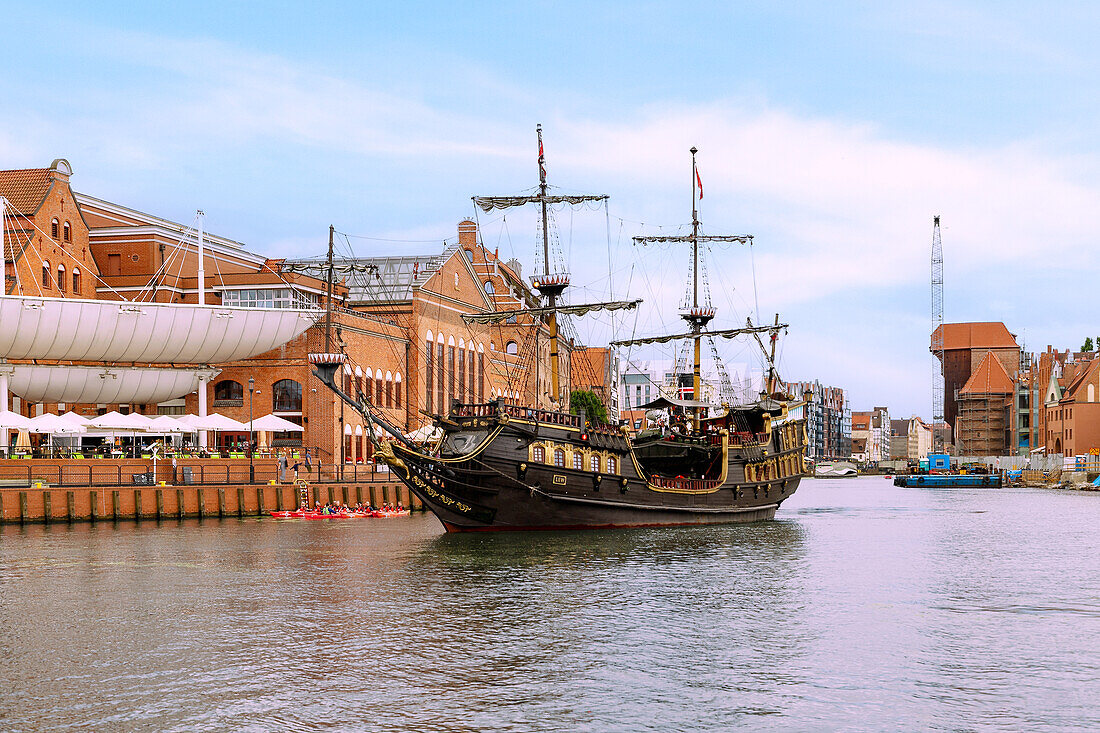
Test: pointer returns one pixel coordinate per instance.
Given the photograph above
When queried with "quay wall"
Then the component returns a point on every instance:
(55, 492)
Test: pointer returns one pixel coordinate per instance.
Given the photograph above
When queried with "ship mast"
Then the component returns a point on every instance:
(549, 283)
(553, 291)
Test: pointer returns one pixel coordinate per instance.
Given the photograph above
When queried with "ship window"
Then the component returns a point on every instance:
(53, 228)
(559, 458)
(45, 273)
(538, 454)
(227, 389)
(286, 396)
(578, 461)
(594, 463)
(68, 230)
(612, 466)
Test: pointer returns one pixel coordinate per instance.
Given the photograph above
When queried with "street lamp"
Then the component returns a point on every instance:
(251, 441)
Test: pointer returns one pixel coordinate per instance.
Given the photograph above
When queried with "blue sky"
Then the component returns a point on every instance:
(831, 131)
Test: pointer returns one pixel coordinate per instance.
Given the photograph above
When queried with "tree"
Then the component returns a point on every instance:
(590, 403)
(1088, 344)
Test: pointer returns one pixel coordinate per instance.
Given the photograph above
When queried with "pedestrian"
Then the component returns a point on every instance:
(309, 468)
(282, 468)
(295, 467)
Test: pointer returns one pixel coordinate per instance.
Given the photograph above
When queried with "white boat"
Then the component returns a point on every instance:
(835, 469)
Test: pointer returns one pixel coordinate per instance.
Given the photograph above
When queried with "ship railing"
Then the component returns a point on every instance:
(552, 417)
(684, 484)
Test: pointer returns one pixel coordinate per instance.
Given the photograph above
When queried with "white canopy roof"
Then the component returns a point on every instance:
(112, 385)
(116, 421)
(213, 421)
(106, 330)
(274, 423)
(167, 424)
(78, 419)
(54, 424)
(13, 420)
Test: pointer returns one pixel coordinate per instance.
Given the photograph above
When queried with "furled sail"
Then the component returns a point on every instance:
(726, 334)
(70, 329)
(571, 310)
(488, 203)
(742, 238)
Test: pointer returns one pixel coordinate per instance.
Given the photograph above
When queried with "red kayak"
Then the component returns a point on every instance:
(299, 514)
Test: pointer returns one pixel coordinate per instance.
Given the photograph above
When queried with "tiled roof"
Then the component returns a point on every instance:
(25, 188)
(1084, 375)
(992, 335)
(989, 378)
(899, 427)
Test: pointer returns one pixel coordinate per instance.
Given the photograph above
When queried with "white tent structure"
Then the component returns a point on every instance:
(167, 424)
(78, 419)
(13, 421)
(118, 423)
(213, 421)
(274, 424)
(51, 424)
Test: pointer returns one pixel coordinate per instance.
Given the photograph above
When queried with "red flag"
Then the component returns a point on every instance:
(700, 182)
(542, 161)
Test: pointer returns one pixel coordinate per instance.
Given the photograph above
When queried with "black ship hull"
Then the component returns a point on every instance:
(519, 469)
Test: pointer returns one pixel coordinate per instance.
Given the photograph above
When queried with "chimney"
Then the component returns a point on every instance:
(467, 233)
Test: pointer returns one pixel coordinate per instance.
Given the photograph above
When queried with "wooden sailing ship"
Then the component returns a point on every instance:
(506, 466)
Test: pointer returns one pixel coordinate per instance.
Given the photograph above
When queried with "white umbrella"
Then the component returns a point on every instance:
(75, 418)
(274, 423)
(114, 421)
(166, 424)
(213, 421)
(54, 425)
(13, 420)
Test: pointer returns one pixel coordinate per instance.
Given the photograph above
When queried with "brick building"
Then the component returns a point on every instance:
(965, 346)
(983, 424)
(399, 318)
(596, 369)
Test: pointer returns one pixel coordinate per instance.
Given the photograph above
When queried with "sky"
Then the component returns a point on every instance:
(831, 132)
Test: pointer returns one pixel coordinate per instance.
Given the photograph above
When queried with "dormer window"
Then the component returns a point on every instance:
(53, 228)
(68, 232)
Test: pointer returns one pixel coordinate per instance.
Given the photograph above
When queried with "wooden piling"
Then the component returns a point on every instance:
(70, 502)
(47, 506)
(93, 498)
(22, 507)
(179, 503)
(221, 502)
(240, 501)
(114, 505)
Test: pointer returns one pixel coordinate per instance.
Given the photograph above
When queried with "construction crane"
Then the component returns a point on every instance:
(937, 336)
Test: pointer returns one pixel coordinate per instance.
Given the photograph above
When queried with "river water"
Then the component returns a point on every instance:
(861, 607)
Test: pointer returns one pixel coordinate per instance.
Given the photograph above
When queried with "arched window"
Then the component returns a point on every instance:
(62, 281)
(440, 374)
(429, 367)
(76, 281)
(511, 348)
(46, 272)
(461, 373)
(389, 390)
(594, 463)
(68, 230)
(397, 390)
(227, 389)
(53, 228)
(538, 454)
(379, 387)
(578, 460)
(286, 396)
(612, 465)
(450, 372)
(489, 287)
(559, 458)
(480, 373)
